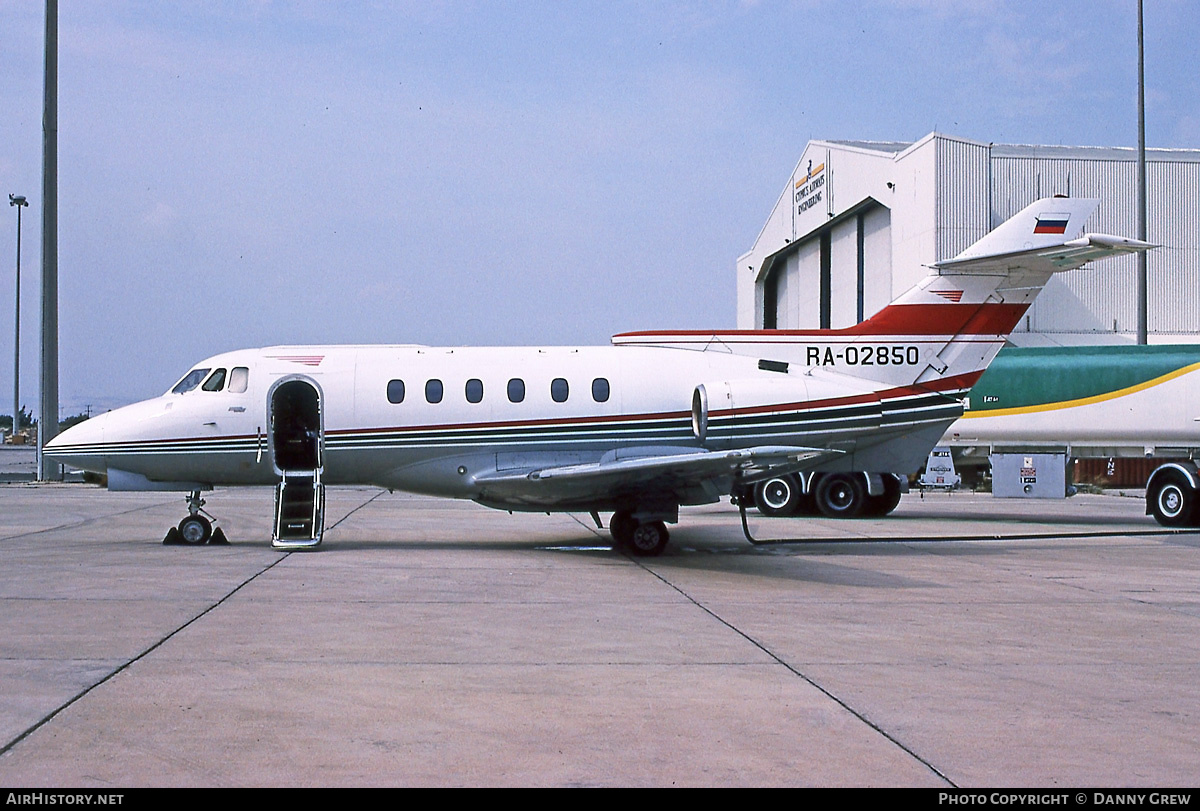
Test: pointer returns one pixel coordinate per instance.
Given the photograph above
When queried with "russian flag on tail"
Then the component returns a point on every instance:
(1055, 223)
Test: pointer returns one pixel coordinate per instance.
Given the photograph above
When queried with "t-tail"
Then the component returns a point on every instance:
(941, 334)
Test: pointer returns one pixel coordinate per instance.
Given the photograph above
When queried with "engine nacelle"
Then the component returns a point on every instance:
(724, 398)
(827, 400)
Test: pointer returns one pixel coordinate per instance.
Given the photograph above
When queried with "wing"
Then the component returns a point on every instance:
(690, 476)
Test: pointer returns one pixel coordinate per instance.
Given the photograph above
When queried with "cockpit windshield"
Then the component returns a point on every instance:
(190, 381)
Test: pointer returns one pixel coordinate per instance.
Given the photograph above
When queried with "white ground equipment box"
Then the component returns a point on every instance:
(1029, 475)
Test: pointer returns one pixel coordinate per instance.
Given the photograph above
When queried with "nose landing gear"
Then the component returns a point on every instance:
(196, 529)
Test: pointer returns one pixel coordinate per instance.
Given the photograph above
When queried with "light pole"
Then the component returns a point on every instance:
(20, 202)
(48, 412)
(1143, 284)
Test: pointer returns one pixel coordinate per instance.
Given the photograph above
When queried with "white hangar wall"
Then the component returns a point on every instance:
(858, 222)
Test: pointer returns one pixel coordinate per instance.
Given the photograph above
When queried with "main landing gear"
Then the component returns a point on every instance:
(833, 495)
(640, 538)
(195, 529)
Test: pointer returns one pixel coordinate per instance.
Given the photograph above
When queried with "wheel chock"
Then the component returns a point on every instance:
(218, 538)
(173, 538)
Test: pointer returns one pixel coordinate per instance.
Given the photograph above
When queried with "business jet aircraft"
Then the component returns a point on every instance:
(639, 428)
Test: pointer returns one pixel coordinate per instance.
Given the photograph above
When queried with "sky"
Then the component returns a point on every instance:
(239, 174)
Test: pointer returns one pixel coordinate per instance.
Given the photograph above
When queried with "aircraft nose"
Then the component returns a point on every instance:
(81, 445)
(88, 432)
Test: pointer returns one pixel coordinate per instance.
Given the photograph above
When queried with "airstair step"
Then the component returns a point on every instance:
(299, 508)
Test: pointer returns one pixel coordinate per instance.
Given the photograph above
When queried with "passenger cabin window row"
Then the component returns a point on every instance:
(560, 390)
(235, 380)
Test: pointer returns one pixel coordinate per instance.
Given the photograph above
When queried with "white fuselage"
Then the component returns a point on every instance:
(500, 408)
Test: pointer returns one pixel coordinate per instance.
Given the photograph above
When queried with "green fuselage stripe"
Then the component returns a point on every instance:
(1022, 381)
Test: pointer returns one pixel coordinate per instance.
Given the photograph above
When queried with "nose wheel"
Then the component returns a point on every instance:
(195, 529)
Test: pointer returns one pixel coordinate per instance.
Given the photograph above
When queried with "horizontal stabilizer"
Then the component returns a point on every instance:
(1044, 237)
(1068, 255)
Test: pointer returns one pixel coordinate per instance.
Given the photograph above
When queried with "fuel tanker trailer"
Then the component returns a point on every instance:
(1114, 402)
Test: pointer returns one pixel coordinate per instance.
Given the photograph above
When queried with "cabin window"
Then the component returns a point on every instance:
(239, 379)
(190, 381)
(474, 390)
(600, 390)
(395, 391)
(216, 381)
(559, 390)
(516, 390)
(433, 391)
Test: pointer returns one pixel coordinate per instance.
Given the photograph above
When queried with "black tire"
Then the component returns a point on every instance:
(621, 527)
(1172, 501)
(882, 504)
(649, 539)
(195, 530)
(841, 495)
(778, 496)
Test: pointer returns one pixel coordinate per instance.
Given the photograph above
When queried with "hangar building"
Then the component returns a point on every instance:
(858, 221)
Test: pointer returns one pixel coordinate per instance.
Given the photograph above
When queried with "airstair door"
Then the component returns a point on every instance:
(297, 446)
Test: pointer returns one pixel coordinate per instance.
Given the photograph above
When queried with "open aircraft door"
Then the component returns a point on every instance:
(297, 440)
